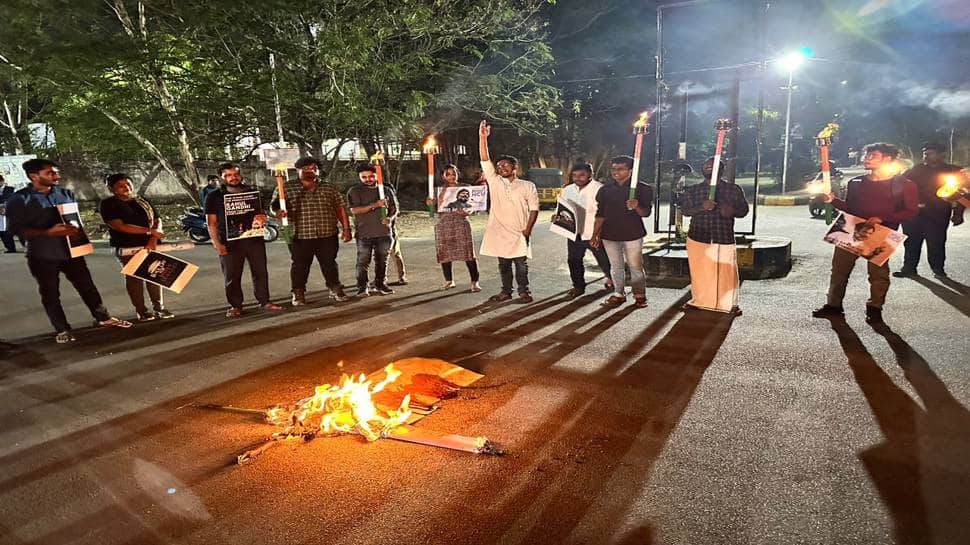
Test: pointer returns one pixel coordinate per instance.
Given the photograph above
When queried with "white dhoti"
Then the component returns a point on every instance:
(713, 275)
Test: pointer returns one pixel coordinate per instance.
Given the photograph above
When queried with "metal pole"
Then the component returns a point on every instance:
(784, 166)
(759, 135)
(276, 99)
(658, 123)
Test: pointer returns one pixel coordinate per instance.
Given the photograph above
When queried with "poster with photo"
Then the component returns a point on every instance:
(245, 217)
(564, 220)
(161, 269)
(473, 198)
(79, 244)
(873, 242)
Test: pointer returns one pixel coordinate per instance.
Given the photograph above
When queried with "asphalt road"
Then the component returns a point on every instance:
(623, 426)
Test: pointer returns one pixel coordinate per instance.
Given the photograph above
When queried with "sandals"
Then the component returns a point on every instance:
(640, 302)
(614, 301)
(234, 312)
(114, 322)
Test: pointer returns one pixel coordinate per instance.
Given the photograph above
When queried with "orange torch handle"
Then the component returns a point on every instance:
(282, 194)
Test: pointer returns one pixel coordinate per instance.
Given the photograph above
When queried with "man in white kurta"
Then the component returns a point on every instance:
(513, 214)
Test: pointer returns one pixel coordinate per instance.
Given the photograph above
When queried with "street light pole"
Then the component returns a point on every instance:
(784, 166)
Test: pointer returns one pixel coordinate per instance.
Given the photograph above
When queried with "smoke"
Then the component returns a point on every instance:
(952, 103)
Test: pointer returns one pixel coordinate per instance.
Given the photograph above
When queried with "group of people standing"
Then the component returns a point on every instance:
(611, 227)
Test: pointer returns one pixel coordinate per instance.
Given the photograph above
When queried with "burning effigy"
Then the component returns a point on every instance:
(382, 405)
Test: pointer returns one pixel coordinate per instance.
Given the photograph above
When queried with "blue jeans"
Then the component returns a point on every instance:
(630, 251)
(379, 248)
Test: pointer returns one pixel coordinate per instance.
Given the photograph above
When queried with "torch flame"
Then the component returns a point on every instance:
(430, 145)
(951, 185)
(279, 169)
(829, 131)
(377, 157)
(347, 408)
(643, 121)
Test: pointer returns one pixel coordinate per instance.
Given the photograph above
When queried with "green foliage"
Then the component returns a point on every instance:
(372, 71)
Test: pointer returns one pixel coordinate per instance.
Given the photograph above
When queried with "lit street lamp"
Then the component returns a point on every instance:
(790, 62)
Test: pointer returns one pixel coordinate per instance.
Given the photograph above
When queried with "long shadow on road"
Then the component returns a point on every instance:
(582, 472)
(920, 469)
(591, 464)
(74, 384)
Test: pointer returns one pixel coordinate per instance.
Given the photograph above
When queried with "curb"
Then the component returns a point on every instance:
(784, 200)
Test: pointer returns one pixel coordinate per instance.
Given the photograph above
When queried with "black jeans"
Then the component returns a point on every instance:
(933, 232)
(575, 252)
(7, 238)
(47, 273)
(521, 273)
(253, 251)
(302, 252)
(379, 248)
(472, 270)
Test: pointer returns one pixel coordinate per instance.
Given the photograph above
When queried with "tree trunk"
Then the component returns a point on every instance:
(189, 179)
(12, 123)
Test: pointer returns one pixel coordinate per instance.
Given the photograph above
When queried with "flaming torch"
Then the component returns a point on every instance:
(722, 126)
(953, 189)
(377, 160)
(640, 127)
(824, 142)
(430, 149)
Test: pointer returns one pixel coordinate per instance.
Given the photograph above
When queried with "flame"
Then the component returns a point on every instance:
(816, 187)
(829, 131)
(951, 185)
(643, 121)
(347, 408)
(279, 169)
(430, 146)
(377, 157)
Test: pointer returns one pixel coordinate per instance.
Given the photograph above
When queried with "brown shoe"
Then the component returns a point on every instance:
(640, 302)
(524, 298)
(574, 293)
(234, 312)
(499, 297)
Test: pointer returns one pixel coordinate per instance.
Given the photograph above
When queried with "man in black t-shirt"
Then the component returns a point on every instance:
(619, 229)
(935, 214)
(233, 254)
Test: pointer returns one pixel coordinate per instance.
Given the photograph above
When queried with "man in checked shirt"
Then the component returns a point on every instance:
(711, 252)
(314, 208)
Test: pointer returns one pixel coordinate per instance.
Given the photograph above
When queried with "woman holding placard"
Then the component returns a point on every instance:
(133, 222)
(453, 234)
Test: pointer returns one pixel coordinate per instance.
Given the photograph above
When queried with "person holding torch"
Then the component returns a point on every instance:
(883, 197)
(313, 208)
(619, 229)
(374, 208)
(935, 213)
(711, 251)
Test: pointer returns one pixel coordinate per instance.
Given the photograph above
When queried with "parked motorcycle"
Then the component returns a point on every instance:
(194, 224)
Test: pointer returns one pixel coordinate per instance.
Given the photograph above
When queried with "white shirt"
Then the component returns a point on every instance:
(512, 202)
(584, 201)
